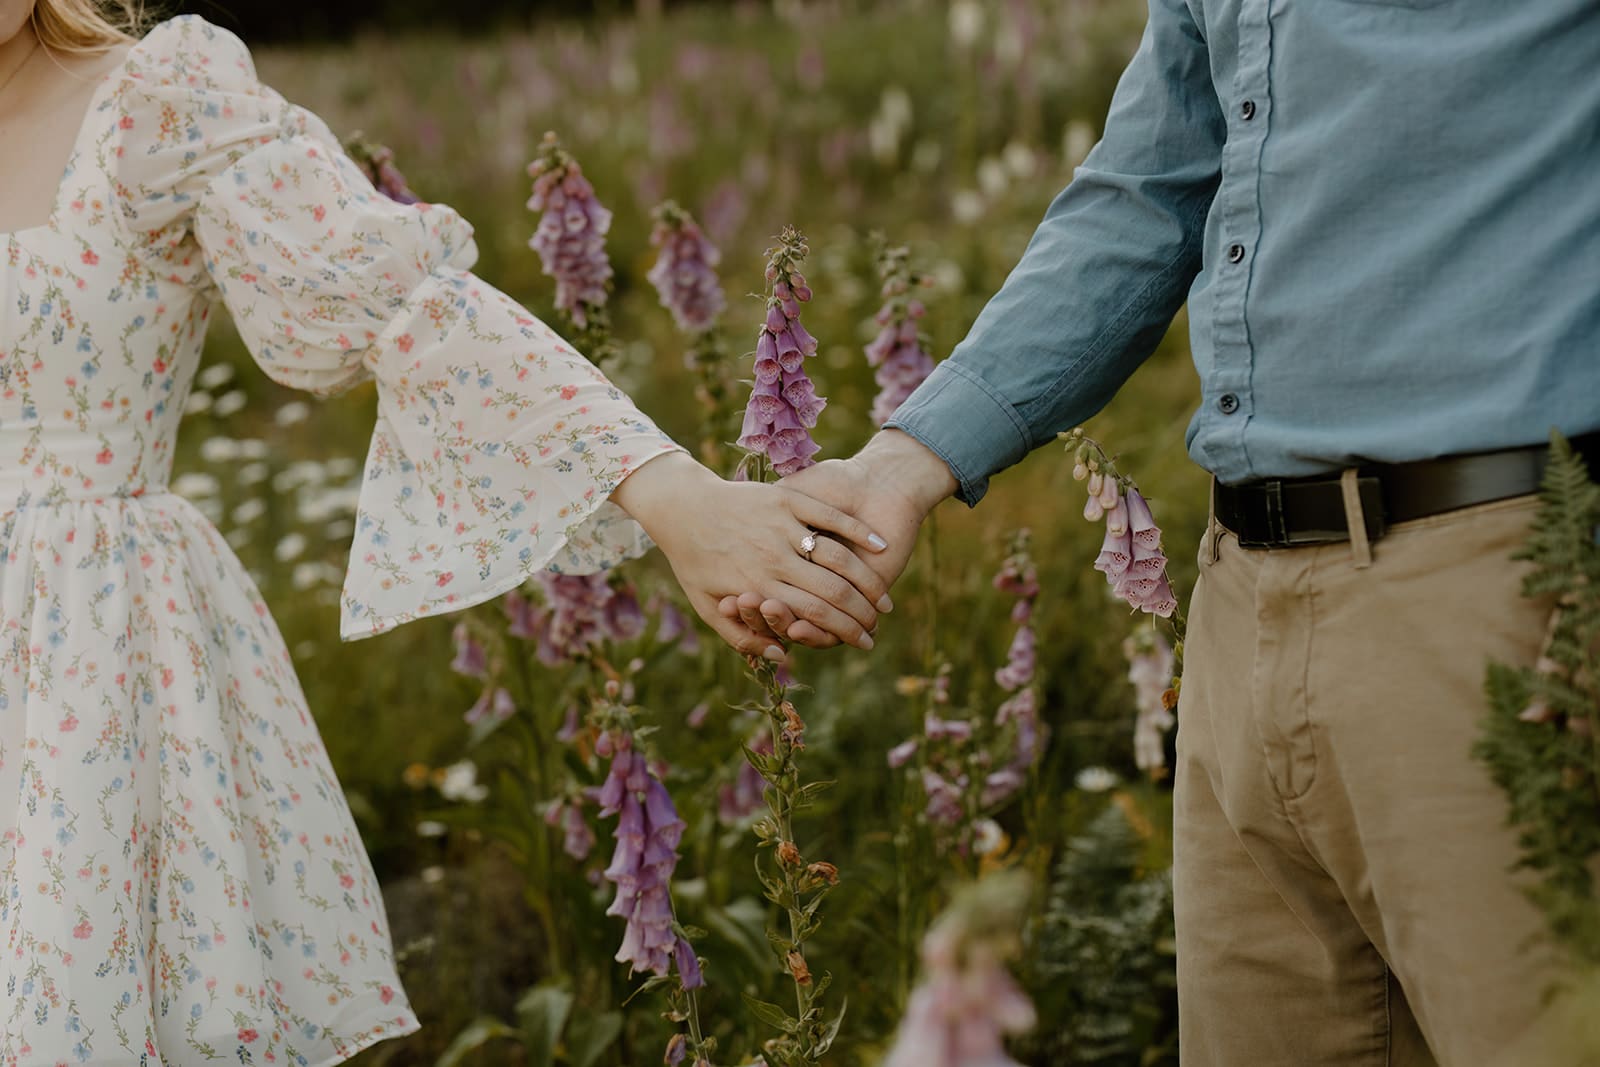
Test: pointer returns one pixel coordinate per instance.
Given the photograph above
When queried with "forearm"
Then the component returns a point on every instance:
(658, 490)
(898, 461)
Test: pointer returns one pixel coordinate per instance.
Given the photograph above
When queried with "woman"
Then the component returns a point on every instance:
(180, 877)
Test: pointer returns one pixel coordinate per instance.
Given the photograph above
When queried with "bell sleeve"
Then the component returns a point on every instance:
(496, 445)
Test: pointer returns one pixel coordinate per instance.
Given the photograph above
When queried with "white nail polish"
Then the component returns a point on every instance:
(877, 542)
(774, 653)
(885, 604)
(866, 642)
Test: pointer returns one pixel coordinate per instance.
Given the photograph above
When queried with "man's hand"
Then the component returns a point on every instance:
(890, 485)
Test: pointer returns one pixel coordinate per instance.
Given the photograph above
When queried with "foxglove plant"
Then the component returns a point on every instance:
(685, 277)
(377, 163)
(571, 242)
(784, 404)
(783, 407)
(900, 350)
(685, 271)
(1020, 712)
(1150, 666)
(967, 1002)
(1130, 556)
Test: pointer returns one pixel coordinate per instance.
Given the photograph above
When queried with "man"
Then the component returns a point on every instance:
(1385, 216)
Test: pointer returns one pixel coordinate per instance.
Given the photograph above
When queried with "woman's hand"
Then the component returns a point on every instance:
(725, 538)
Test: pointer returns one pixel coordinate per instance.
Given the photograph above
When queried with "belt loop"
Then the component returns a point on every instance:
(1355, 520)
(1213, 532)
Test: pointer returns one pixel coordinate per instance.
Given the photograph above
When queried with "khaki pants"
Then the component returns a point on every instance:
(1341, 879)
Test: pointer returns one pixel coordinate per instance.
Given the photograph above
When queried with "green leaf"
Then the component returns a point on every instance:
(832, 1030)
(588, 1037)
(810, 792)
(771, 1014)
(543, 1012)
(473, 1036)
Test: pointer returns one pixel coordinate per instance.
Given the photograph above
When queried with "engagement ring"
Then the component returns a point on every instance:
(808, 545)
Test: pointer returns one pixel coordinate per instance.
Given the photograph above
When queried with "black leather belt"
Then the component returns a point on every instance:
(1282, 512)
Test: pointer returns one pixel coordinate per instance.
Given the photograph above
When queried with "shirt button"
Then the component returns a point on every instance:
(1248, 110)
(1236, 254)
(1227, 403)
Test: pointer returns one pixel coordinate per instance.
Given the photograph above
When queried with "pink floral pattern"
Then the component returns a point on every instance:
(181, 881)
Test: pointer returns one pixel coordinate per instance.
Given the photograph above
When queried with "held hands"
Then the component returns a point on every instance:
(891, 485)
(723, 538)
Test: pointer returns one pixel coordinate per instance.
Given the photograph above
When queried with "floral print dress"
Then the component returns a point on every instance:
(181, 881)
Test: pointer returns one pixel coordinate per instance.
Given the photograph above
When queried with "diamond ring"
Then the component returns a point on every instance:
(808, 545)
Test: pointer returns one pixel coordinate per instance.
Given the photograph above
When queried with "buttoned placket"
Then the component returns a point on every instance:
(1249, 113)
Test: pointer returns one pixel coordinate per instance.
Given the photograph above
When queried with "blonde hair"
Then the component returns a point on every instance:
(82, 26)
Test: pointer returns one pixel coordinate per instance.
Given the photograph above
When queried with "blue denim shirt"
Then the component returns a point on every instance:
(1384, 214)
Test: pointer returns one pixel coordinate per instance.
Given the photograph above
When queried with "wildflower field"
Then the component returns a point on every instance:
(606, 839)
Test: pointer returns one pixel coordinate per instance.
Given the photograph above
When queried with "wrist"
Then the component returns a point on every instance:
(651, 494)
(896, 460)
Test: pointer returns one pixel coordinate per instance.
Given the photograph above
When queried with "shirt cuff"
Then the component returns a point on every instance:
(964, 422)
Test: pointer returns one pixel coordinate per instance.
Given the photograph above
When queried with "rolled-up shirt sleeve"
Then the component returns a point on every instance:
(1102, 277)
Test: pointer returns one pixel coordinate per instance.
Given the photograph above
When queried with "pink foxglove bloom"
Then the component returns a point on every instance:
(577, 838)
(1150, 662)
(784, 404)
(580, 612)
(685, 271)
(961, 1012)
(471, 659)
(647, 836)
(571, 236)
(1019, 577)
(899, 351)
(1142, 580)
(495, 704)
(945, 806)
(743, 798)
(377, 163)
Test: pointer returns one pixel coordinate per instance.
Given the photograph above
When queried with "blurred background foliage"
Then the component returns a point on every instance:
(948, 126)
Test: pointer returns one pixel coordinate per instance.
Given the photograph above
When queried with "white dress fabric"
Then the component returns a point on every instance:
(181, 881)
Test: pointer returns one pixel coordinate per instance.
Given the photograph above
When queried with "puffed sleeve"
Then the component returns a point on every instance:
(496, 445)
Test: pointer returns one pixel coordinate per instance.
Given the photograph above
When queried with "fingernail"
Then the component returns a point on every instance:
(866, 642)
(885, 604)
(877, 542)
(774, 653)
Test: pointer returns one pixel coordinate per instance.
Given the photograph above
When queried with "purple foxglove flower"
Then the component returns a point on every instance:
(494, 703)
(685, 271)
(471, 660)
(1141, 522)
(376, 161)
(944, 797)
(524, 617)
(784, 404)
(1001, 786)
(688, 965)
(901, 754)
(578, 839)
(571, 236)
(1021, 661)
(955, 729)
(647, 836)
(744, 797)
(959, 1014)
(1150, 662)
(677, 1050)
(899, 351)
(1116, 553)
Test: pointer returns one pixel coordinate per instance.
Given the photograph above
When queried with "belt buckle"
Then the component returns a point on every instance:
(1276, 531)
